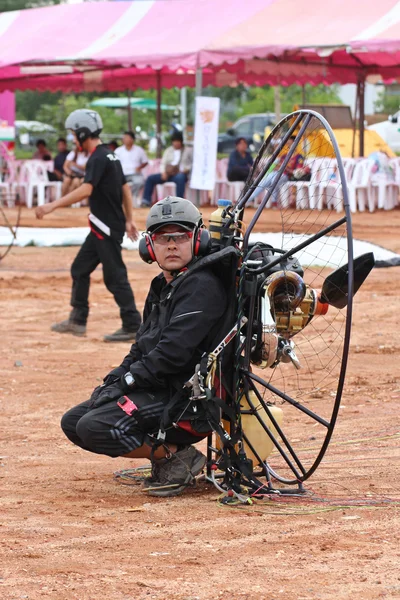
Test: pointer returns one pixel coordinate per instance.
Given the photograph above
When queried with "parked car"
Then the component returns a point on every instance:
(251, 127)
(389, 131)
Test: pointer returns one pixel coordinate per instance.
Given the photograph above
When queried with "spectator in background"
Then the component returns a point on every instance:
(58, 172)
(176, 164)
(113, 145)
(240, 161)
(42, 151)
(74, 169)
(295, 170)
(133, 159)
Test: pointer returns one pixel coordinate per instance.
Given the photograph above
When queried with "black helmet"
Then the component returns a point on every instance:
(84, 123)
(173, 211)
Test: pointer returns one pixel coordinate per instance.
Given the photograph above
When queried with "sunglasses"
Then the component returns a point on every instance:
(163, 239)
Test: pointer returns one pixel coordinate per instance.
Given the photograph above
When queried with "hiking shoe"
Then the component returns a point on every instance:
(155, 470)
(173, 474)
(68, 326)
(121, 335)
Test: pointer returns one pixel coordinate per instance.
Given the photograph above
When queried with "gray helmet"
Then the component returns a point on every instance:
(173, 211)
(85, 123)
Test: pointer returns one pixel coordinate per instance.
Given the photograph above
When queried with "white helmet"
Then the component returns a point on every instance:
(85, 123)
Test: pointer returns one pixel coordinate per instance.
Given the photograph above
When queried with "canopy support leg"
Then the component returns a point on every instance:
(130, 122)
(362, 115)
(158, 116)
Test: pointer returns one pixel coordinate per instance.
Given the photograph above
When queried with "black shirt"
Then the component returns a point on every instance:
(104, 173)
(60, 160)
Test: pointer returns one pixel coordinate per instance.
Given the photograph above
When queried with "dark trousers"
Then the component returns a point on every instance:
(109, 430)
(180, 179)
(238, 174)
(106, 251)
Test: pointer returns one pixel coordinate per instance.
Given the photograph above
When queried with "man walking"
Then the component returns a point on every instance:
(133, 159)
(110, 204)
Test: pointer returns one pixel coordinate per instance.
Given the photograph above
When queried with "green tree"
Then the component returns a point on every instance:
(54, 109)
(6, 5)
(261, 99)
(29, 103)
(388, 101)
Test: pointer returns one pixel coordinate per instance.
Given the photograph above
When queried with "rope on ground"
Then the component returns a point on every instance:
(133, 476)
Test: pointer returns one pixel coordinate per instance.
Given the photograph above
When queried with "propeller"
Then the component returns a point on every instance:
(336, 285)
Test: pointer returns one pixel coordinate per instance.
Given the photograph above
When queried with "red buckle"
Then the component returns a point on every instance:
(127, 405)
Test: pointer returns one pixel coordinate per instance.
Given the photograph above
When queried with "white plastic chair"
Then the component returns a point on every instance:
(385, 193)
(221, 181)
(5, 186)
(334, 189)
(33, 176)
(395, 163)
(229, 190)
(191, 194)
(8, 178)
(384, 188)
(307, 192)
(359, 187)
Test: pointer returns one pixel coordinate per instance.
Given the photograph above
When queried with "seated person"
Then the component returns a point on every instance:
(58, 172)
(176, 164)
(240, 161)
(74, 169)
(294, 166)
(113, 145)
(182, 317)
(42, 152)
(133, 159)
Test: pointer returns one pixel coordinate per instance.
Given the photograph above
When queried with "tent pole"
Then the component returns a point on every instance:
(353, 146)
(199, 91)
(362, 114)
(159, 147)
(303, 95)
(130, 124)
(183, 111)
(199, 82)
(277, 102)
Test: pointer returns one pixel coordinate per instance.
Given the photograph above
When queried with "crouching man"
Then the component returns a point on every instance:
(182, 315)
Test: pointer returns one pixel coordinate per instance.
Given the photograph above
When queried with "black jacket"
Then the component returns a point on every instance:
(180, 322)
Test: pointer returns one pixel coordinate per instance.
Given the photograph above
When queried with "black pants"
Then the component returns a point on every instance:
(109, 430)
(106, 251)
(238, 174)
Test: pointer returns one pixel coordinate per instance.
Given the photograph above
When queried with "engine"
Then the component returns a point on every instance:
(284, 306)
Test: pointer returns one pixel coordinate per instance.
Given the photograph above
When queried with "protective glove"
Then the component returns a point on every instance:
(108, 391)
(108, 380)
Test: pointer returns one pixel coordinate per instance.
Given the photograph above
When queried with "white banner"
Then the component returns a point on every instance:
(205, 143)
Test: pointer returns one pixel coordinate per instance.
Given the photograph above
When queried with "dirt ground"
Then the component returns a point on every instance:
(68, 530)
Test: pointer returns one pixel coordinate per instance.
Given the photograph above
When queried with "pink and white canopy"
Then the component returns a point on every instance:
(111, 45)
